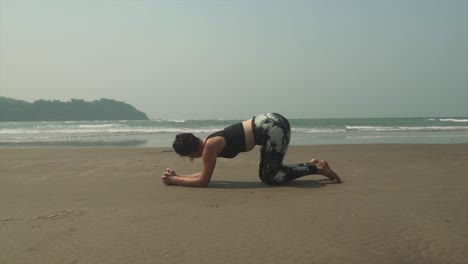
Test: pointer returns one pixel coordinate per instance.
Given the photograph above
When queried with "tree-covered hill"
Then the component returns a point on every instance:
(73, 110)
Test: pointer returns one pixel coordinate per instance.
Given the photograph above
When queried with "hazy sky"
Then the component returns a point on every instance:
(234, 59)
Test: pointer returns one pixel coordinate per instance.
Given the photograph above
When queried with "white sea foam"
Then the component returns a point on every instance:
(402, 128)
(107, 130)
(169, 120)
(453, 120)
(98, 126)
(317, 130)
(115, 129)
(20, 131)
(375, 130)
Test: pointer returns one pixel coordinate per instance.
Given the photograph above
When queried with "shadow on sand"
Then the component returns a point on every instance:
(260, 185)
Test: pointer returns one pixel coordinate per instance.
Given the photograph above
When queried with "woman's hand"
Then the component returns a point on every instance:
(167, 176)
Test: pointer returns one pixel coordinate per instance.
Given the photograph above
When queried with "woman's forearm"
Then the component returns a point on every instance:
(195, 175)
(189, 180)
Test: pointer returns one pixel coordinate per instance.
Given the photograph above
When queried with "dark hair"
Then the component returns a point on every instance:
(185, 143)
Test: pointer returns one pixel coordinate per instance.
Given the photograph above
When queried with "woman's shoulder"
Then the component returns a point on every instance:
(215, 143)
(214, 140)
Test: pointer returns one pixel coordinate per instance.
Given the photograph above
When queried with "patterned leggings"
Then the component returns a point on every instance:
(273, 132)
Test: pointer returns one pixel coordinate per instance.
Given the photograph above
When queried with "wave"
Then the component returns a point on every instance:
(453, 120)
(318, 130)
(117, 129)
(401, 128)
(107, 130)
(98, 126)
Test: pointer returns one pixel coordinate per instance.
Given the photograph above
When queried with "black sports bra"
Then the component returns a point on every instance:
(235, 140)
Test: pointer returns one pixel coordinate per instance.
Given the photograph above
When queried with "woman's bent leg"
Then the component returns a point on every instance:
(274, 132)
(272, 171)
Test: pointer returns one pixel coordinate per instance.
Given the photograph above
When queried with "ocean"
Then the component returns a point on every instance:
(160, 133)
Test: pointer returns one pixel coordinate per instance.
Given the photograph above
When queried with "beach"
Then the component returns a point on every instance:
(399, 203)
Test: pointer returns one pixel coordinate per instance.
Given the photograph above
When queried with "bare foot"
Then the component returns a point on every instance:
(324, 169)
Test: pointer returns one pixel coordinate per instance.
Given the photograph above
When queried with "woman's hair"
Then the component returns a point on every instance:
(185, 143)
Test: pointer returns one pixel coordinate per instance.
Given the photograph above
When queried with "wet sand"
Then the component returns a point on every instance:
(398, 204)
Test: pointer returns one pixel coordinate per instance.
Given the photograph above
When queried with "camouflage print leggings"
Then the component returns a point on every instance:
(273, 132)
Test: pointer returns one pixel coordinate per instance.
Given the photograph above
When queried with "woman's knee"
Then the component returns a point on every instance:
(273, 177)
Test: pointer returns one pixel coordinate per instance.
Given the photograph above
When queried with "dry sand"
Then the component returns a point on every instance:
(398, 204)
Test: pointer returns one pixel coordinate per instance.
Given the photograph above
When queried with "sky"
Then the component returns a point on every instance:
(234, 59)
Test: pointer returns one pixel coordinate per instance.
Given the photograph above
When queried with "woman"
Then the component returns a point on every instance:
(271, 131)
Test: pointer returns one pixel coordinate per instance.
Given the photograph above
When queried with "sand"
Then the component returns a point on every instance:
(398, 204)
